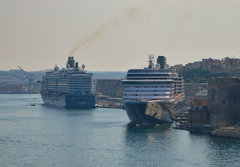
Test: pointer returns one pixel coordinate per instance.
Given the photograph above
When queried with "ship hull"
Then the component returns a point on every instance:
(69, 101)
(152, 113)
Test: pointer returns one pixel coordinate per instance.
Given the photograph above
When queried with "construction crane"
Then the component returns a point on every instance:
(28, 76)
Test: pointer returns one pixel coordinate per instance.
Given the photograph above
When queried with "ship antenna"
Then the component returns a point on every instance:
(151, 59)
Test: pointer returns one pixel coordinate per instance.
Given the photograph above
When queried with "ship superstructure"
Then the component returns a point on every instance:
(152, 95)
(69, 87)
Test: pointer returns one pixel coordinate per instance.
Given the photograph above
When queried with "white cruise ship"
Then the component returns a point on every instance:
(70, 87)
(154, 94)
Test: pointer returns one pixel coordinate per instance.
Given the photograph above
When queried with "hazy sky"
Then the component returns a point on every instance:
(115, 35)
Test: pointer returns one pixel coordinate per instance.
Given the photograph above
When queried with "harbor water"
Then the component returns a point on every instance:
(32, 134)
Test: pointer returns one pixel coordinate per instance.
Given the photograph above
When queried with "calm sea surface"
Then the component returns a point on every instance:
(39, 136)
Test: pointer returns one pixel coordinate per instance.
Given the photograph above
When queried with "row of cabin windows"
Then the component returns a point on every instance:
(142, 99)
(147, 94)
(156, 90)
(162, 86)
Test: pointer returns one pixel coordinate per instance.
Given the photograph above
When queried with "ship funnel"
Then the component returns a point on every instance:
(71, 62)
(76, 66)
(162, 61)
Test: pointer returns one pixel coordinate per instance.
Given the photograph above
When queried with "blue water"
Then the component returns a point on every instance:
(37, 136)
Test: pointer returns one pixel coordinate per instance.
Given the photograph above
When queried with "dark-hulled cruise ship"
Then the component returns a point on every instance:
(154, 94)
(69, 87)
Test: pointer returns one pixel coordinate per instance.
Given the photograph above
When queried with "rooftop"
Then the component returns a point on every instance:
(202, 93)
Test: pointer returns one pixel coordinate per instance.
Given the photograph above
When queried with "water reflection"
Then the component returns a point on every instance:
(44, 136)
(223, 151)
(146, 146)
(147, 134)
(164, 146)
(66, 111)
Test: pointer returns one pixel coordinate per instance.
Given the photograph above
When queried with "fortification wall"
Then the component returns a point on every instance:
(224, 101)
(110, 87)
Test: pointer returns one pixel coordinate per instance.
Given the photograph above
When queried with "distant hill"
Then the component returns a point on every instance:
(109, 74)
(200, 75)
(17, 76)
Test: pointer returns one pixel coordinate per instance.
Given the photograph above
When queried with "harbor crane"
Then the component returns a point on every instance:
(28, 76)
